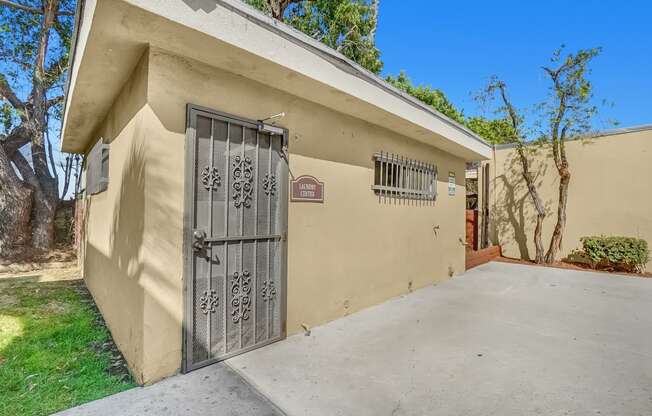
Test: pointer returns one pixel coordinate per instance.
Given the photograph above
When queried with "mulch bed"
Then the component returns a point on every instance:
(571, 266)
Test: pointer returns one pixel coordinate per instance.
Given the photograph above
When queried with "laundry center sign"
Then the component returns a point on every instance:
(307, 188)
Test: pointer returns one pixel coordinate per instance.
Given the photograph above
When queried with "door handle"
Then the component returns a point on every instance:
(198, 240)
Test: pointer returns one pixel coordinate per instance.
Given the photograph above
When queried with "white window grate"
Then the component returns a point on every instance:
(401, 177)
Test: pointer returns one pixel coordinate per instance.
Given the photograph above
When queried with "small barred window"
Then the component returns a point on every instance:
(97, 168)
(401, 177)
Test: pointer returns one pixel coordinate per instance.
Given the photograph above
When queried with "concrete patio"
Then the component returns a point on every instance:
(503, 339)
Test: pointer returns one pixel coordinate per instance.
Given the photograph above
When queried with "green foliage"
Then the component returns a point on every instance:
(568, 110)
(495, 131)
(7, 116)
(345, 25)
(261, 5)
(428, 95)
(19, 43)
(348, 26)
(618, 253)
(51, 354)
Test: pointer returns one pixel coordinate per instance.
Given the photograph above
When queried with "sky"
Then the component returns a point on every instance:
(457, 45)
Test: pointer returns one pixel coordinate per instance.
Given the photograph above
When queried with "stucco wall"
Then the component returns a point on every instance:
(137, 290)
(608, 194)
(114, 222)
(351, 252)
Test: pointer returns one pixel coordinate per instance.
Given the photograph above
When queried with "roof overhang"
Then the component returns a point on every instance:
(111, 35)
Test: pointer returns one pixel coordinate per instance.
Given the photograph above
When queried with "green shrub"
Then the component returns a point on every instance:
(616, 253)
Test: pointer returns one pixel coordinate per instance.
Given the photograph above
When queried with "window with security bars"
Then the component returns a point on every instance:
(401, 177)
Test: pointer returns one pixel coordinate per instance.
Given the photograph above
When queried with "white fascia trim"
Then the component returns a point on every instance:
(175, 11)
(83, 17)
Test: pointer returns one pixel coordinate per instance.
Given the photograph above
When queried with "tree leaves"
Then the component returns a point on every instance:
(428, 95)
(347, 26)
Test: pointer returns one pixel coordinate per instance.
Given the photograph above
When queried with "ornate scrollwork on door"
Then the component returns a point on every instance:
(211, 178)
(243, 177)
(268, 291)
(241, 301)
(208, 302)
(269, 184)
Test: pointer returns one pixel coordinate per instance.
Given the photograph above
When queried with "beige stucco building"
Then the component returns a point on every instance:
(608, 193)
(194, 248)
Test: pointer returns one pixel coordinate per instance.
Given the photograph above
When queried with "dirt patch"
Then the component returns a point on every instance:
(55, 306)
(571, 266)
(27, 260)
(67, 271)
(7, 301)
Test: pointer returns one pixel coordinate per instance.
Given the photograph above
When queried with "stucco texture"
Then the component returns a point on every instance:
(350, 252)
(607, 193)
(135, 285)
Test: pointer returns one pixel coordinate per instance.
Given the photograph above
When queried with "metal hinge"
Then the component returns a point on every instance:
(284, 236)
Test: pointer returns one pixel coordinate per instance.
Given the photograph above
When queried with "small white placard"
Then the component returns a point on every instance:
(451, 183)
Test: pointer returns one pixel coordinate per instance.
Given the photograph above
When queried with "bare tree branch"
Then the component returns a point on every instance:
(67, 173)
(7, 173)
(345, 37)
(25, 169)
(55, 101)
(18, 138)
(55, 174)
(511, 112)
(8, 94)
(515, 121)
(375, 5)
(29, 9)
(39, 90)
(55, 70)
(21, 7)
(278, 7)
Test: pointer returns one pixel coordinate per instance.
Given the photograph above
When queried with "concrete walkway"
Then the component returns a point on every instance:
(214, 390)
(503, 339)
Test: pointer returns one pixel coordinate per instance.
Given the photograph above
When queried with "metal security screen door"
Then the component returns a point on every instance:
(236, 204)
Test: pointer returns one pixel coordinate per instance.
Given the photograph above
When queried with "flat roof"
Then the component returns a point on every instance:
(111, 35)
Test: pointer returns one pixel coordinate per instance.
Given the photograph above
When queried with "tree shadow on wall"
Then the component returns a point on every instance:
(514, 216)
(129, 215)
(116, 291)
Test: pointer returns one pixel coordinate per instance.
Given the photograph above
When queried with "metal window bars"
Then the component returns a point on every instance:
(398, 177)
(97, 168)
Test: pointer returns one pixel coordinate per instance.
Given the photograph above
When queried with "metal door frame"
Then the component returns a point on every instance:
(189, 185)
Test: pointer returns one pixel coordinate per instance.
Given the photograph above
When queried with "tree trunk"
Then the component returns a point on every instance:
(15, 209)
(278, 7)
(46, 197)
(43, 213)
(558, 233)
(538, 204)
(46, 194)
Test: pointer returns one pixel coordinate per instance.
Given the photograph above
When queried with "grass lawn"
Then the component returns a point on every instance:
(55, 352)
